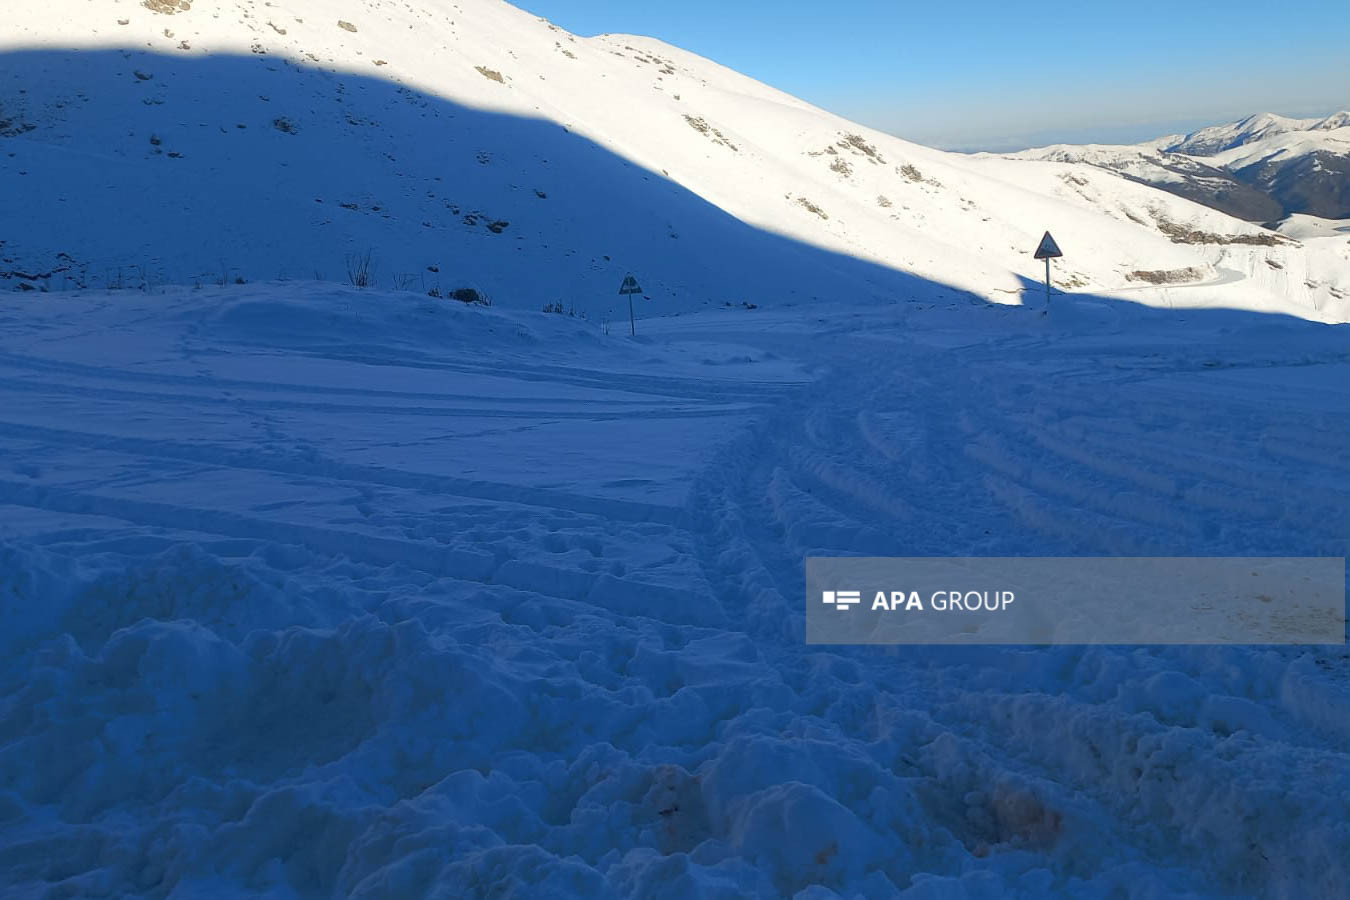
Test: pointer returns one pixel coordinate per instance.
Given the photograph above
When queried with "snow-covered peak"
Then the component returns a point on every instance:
(1333, 121)
(1220, 138)
(1217, 138)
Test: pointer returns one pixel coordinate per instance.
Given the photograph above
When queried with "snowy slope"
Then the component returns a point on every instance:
(479, 144)
(1201, 180)
(316, 592)
(1304, 227)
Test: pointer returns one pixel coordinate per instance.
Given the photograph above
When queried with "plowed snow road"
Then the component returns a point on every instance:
(464, 599)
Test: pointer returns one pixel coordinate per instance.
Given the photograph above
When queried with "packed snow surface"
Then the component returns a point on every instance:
(312, 592)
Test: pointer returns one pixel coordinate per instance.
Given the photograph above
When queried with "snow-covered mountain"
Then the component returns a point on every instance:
(473, 144)
(1305, 171)
(1186, 176)
(1261, 169)
(1218, 138)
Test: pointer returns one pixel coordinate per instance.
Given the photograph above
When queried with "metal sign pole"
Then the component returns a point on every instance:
(1047, 251)
(630, 287)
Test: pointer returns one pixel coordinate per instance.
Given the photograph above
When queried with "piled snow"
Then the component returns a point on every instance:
(311, 591)
(263, 141)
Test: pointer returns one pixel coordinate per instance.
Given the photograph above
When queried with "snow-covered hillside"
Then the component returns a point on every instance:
(471, 144)
(1201, 180)
(1305, 227)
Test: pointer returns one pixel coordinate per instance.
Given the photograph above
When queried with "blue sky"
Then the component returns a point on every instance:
(981, 74)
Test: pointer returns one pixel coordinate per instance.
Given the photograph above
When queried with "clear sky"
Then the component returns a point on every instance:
(1005, 74)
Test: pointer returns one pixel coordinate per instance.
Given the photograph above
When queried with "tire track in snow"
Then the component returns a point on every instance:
(657, 385)
(483, 412)
(621, 382)
(617, 596)
(310, 466)
(760, 534)
(911, 455)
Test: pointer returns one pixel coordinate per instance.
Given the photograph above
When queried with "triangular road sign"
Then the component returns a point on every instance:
(630, 286)
(1048, 248)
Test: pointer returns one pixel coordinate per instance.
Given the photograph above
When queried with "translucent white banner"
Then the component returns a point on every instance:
(1075, 600)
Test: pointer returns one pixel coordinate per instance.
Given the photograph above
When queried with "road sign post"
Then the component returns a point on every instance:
(1047, 251)
(630, 287)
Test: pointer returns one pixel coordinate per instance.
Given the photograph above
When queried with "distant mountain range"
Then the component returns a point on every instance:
(1263, 168)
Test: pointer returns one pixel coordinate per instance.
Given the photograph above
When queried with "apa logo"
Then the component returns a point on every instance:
(841, 600)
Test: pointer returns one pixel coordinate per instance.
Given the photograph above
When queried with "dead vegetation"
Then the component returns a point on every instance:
(1167, 276)
(167, 7)
(361, 269)
(811, 207)
(1181, 234)
(858, 143)
(490, 74)
(708, 131)
(11, 126)
(470, 296)
(853, 143)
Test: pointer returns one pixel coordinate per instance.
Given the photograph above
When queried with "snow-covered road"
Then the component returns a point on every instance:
(313, 592)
